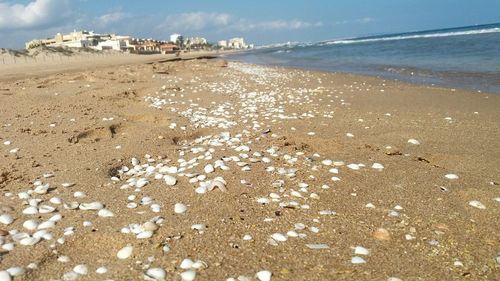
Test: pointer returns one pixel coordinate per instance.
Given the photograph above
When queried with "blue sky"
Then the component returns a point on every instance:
(260, 22)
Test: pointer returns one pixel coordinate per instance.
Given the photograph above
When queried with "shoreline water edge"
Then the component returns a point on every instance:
(465, 57)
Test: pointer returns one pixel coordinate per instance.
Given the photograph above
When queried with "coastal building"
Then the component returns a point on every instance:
(168, 48)
(83, 39)
(222, 43)
(237, 43)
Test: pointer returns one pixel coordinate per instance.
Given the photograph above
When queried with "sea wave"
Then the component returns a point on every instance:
(412, 36)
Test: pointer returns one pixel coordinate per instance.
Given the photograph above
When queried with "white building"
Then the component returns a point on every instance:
(222, 43)
(237, 43)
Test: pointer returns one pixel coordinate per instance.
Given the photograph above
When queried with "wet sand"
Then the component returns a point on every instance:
(296, 151)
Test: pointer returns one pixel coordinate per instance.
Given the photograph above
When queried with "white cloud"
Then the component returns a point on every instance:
(197, 21)
(36, 14)
(244, 25)
(111, 18)
(357, 21)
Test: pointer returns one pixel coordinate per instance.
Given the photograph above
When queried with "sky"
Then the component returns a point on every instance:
(258, 21)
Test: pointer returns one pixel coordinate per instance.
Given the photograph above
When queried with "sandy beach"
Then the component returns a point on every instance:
(129, 168)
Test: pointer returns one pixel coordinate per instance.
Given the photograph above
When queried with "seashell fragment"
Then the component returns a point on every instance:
(357, 260)
(220, 184)
(381, 234)
(359, 250)
(180, 208)
(16, 271)
(105, 213)
(477, 204)
(188, 275)
(264, 275)
(5, 276)
(101, 270)
(156, 273)
(451, 176)
(413, 141)
(81, 269)
(6, 219)
(125, 252)
(279, 237)
(91, 206)
(169, 180)
(317, 246)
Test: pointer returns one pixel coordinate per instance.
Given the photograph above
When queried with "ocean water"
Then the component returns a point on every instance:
(465, 57)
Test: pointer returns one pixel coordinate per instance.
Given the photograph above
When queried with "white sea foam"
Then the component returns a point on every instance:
(413, 36)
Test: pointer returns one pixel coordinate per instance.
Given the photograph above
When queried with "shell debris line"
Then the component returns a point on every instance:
(242, 172)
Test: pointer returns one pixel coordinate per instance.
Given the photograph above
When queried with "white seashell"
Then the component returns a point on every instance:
(19, 236)
(101, 270)
(186, 264)
(91, 206)
(327, 162)
(220, 184)
(79, 194)
(477, 204)
(188, 275)
(41, 189)
(145, 234)
(81, 269)
(180, 208)
(31, 210)
(156, 273)
(413, 141)
(5, 276)
(30, 224)
(71, 205)
(70, 276)
(451, 176)
(247, 237)
(55, 200)
(279, 237)
(8, 247)
(209, 169)
(317, 246)
(169, 180)
(105, 213)
(63, 259)
(264, 275)
(149, 226)
(125, 252)
(16, 271)
(141, 182)
(357, 260)
(29, 241)
(353, 166)
(370, 205)
(40, 233)
(377, 166)
(199, 227)
(6, 219)
(358, 250)
(56, 218)
(68, 184)
(46, 224)
(46, 209)
(263, 200)
(201, 190)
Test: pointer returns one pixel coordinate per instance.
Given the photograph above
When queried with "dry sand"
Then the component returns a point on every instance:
(82, 125)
